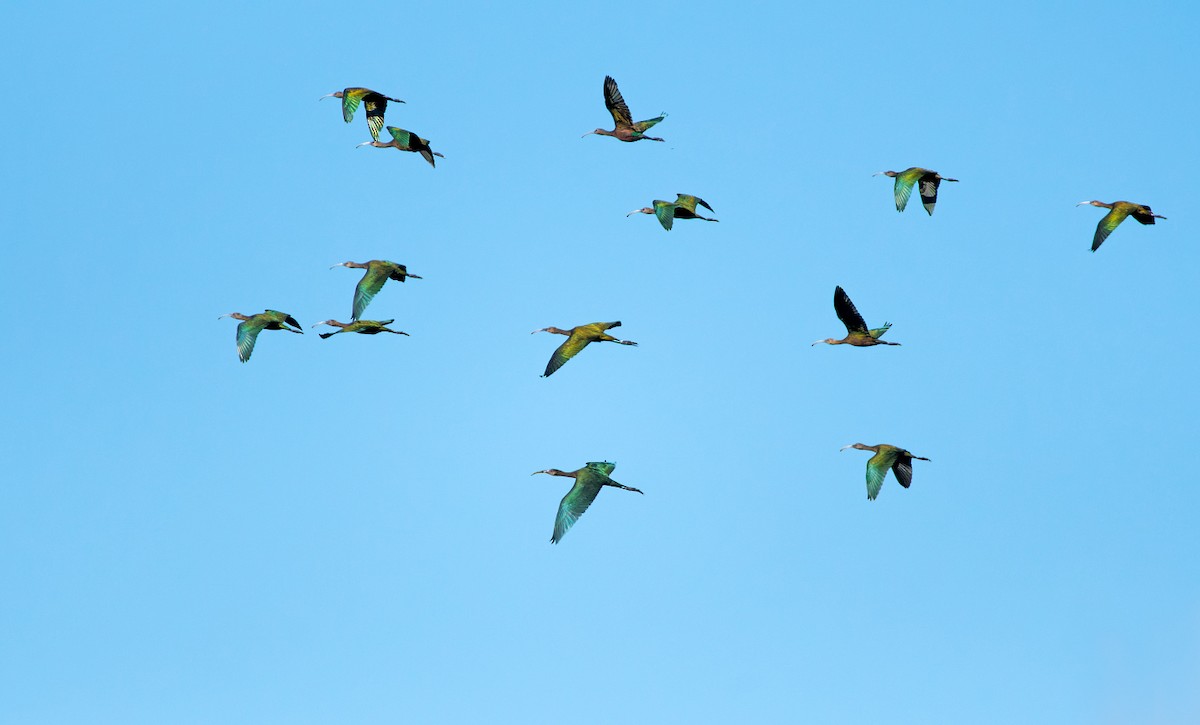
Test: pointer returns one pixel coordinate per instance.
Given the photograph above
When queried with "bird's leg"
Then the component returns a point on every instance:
(625, 342)
(614, 484)
(396, 332)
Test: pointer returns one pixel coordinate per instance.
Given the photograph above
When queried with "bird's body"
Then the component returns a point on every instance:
(684, 207)
(588, 482)
(857, 333)
(926, 180)
(624, 127)
(1118, 210)
(406, 141)
(577, 339)
(376, 105)
(378, 272)
(248, 329)
(886, 456)
(362, 327)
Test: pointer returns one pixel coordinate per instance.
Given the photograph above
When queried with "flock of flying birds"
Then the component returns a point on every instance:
(595, 475)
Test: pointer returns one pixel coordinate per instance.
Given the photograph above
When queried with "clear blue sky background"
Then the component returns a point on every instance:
(345, 530)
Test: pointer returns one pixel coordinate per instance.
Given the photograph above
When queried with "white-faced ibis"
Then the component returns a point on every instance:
(406, 141)
(897, 459)
(857, 333)
(1118, 211)
(378, 272)
(684, 207)
(248, 329)
(362, 327)
(376, 104)
(588, 482)
(625, 129)
(577, 339)
(929, 181)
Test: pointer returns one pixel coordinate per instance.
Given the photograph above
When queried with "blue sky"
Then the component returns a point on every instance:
(346, 529)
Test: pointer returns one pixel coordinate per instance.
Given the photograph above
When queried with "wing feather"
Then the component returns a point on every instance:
(569, 349)
(616, 104)
(847, 313)
(1107, 224)
(367, 288)
(577, 500)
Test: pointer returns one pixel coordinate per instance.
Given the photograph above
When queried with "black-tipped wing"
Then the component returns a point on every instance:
(616, 104)
(1143, 215)
(928, 186)
(847, 313)
(903, 469)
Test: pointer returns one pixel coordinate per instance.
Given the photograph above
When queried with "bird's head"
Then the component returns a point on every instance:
(336, 94)
(551, 471)
(234, 315)
(828, 341)
(643, 210)
(885, 173)
(343, 264)
(331, 323)
(369, 143)
(856, 446)
(1089, 203)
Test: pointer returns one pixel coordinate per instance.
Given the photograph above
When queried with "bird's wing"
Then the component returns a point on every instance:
(878, 331)
(291, 321)
(877, 468)
(404, 138)
(689, 202)
(1106, 226)
(616, 104)
(643, 126)
(247, 333)
(928, 187)
(1143, 215)
(376, 105)
(665, 211)
(575, 342)
(367, 288)
(351, 97)
(903, 188)
(903, 469)
(604, 467)
(577, 500)
(847, 313)
(427, 154)
(397, 272)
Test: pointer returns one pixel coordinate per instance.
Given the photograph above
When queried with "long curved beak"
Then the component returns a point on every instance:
(339, 264)
(818, 342)
(534, 333)
(537, 472)
(878, 173)
(589, 133)
(845, 447)
(1083, 202)
(364, 143)
(224, 316)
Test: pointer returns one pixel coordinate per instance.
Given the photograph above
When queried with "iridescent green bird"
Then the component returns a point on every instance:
(857, 333)
(362, 327)
(625, 129)
(577, 339)
(588, 482)
(247, 331)
(376, 105)
(405, 141)
(378, 272)
(897, 459)
(928, 180)
(684, 207)
(1118, 211)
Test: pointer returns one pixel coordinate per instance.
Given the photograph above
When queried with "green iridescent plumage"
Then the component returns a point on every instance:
(624, 127)
(857, 333)
(248, 329)
(684, 207)
(886, 456)
(379, 271)
(406, 141)
(362, 327)
(1118, 211)
(375, 103)
(926, 181)
(588, 482)
(577, 339)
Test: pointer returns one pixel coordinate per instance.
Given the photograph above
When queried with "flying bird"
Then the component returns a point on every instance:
(577, 339)
(362, 327)
(857, 333)
(625, 129)
(684, 207)
(1118, 211)
(928, 183)
(378, 272)
(376, 104)
(588, 482)
(248, 329)
(897, 459)
(405, 141)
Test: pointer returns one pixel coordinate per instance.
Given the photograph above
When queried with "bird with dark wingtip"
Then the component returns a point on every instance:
(588, 482)
(578, 338)
(625, 129)
(376, 105)
(405, 141)
(926, 180)
(1118, 210)
(857, 333)
(248, 329)
(379, 271)
(897, 459)
(684, 207)
(362, 327)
